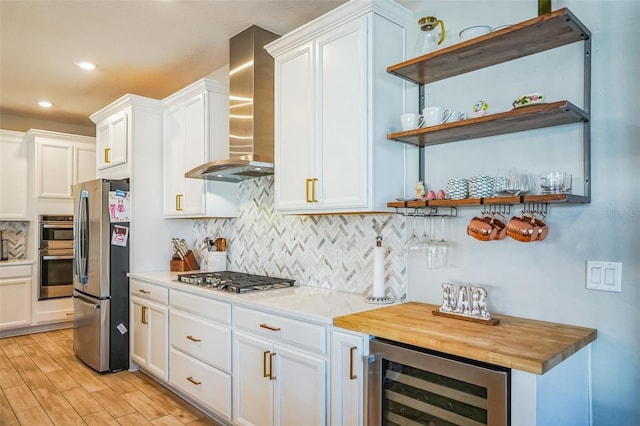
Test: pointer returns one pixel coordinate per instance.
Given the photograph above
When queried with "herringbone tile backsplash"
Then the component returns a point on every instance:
(16, 234)
(308, 248)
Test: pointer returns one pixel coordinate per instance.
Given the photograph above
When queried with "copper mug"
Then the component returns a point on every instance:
(481, 230)
(521, 229)
(498, 225)
(527, 229)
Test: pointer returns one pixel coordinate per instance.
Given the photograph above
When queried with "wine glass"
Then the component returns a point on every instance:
(443, 249)
(413, 242)
(432, 251)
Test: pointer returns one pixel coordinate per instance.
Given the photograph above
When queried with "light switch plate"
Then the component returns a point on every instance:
(604, 276)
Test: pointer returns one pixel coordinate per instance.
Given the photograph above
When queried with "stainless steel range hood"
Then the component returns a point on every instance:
(250, 111)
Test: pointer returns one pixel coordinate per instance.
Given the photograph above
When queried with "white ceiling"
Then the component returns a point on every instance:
(146, 47)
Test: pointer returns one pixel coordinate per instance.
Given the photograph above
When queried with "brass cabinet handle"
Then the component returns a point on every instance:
(313, 190)
(194, 339)
(269, 327)
(194, 381)
(179, 202)
(307, 182)
(143, 291)
(352, 351)
(107, 155)
(144, 315)
(264, 364)
(271, 356)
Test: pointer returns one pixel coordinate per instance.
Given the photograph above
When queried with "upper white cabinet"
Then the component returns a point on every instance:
(118, 127)
(196, 127)
(112, 140)
(14, 169)
(61, 160)
(335, 103)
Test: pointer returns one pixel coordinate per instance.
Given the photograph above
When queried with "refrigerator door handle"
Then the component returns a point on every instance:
(96, 306)
(81, 243)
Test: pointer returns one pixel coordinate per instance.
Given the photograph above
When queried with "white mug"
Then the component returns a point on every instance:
(435, 115)
(411, 120)
(456, 116)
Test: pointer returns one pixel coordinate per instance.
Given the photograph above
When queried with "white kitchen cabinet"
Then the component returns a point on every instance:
(334, 105)
(15, 295)
(61, 160)
(200, 353)
(347, 391)
(197, 131)
(275, 381)
(121, 124)
(112, 140)
(14, 169)
(149, 328)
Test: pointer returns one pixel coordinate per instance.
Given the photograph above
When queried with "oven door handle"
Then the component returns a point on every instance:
(49, 257)
(57, 225)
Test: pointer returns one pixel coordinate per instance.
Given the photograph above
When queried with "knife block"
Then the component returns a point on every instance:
(189, 263)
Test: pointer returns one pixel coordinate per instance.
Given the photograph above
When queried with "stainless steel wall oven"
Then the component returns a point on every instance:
(55, 256)
(406, 385)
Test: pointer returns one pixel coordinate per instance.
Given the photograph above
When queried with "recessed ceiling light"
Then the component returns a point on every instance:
(45, 104)
(86, 65)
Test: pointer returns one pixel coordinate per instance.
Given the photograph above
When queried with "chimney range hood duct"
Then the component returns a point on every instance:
(250, 111)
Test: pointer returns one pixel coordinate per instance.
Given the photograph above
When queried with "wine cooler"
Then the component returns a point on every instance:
(412, 386)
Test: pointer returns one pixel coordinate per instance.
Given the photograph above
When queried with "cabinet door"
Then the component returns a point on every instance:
(15, 302)
(174, 150)
(112, 140)
(149, 336)
(300, 388)
(13, 179)
(294, 129)
(158, 319)
(252, 385)
(84, 164)
(342, 159)
(54, 169)
(347, 351)
(195, 153)
(139, 326)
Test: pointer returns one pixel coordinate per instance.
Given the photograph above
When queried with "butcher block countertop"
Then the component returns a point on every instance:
(523, 344)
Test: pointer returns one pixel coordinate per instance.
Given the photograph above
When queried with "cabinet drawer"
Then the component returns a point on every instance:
(15, 271)
(207, 308)
(283, 329)
(202, 382)
(201, 339)
(149, 291)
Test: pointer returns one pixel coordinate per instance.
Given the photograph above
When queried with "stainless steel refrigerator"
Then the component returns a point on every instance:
(100, 282)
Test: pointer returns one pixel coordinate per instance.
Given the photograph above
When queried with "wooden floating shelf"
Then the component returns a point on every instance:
(516, 120)
(473, 202)
(545, 32)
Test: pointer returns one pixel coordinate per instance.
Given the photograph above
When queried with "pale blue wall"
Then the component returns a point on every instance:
(546, 280)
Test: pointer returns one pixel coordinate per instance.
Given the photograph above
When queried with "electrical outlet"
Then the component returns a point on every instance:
(604, 276)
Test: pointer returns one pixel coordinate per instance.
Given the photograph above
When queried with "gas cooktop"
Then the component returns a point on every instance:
(235, 282)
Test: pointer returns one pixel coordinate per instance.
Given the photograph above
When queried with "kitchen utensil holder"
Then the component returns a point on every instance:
(189, 263)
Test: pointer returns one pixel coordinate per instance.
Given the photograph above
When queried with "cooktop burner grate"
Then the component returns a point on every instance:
(235, 282)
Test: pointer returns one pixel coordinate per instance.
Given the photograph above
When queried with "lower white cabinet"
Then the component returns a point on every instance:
(275, 383)
(200, 354)
(15, 296)
(347, 379)
(149, 328)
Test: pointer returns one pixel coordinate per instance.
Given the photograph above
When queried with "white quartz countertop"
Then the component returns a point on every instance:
(311, 303)
(16, 262)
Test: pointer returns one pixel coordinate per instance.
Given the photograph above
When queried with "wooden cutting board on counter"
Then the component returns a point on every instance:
(519, 343)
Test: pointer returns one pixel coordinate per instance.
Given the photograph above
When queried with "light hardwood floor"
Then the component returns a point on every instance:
(43, 383)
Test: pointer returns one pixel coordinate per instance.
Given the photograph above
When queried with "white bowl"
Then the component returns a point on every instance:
(474, 31)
